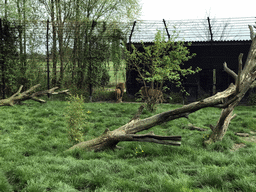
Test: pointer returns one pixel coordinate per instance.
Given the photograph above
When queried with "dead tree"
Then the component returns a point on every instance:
(244, 80)
(227, 100)
(30, 94)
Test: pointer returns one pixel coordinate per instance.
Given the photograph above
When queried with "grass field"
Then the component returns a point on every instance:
(33, 140)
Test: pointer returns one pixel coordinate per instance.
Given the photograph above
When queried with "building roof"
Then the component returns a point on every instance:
(199, 30)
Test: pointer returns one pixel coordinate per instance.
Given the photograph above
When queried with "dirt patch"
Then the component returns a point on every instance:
(237, 146)
(251, 138)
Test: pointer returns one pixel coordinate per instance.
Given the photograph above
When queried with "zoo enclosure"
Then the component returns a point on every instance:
(214, 41)
(31, 41)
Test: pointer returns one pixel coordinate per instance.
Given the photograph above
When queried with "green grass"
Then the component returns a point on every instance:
(33, 140)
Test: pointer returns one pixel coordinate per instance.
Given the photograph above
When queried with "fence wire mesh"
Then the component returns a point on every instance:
(31, 41)
(223, 29)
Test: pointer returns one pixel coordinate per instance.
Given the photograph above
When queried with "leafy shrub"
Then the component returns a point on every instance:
(75, 117)
(105, 77)
(101, 94)
(76, 91)
(4, 185)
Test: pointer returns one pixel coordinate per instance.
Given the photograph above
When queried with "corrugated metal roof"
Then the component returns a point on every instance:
(229, 29)
(208, 43)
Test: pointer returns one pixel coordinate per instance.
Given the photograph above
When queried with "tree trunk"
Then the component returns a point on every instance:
(60, 39)
(54, 46)
(245, 79)
(226, 99)
(29, 94)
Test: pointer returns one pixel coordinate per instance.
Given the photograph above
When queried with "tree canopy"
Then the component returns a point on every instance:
(77, 30)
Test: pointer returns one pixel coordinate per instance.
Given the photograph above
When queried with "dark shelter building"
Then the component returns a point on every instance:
(210, 57)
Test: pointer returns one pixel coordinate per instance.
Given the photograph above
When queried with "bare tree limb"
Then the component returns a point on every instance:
(252, 35)
(29, 94)
(240, 61)
(192, 127)
(229, 71)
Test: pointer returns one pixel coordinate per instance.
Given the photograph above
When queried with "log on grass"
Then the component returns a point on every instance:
(110, 139)
(30, 94)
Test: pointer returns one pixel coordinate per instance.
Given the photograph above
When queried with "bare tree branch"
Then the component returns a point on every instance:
(229, 71)
(239, 72)
(252, 35)
(29, 94)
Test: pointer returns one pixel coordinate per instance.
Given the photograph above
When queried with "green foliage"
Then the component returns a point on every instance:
(90, 35)
(76, 91)
(116, 50)
(4, 185)
(105, 77)
(160, 62)
(101, 94)
(9, 57)
(75, 117)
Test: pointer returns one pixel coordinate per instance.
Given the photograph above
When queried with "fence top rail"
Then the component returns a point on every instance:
(223, 29)
(190, 30)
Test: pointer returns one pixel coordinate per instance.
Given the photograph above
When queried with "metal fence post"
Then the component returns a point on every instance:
(47, 57)
(168, 34)
(2, 59)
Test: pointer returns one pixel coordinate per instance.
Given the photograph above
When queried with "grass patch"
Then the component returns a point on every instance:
(34, 137)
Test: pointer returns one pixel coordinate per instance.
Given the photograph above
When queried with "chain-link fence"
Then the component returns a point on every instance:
(82, 54)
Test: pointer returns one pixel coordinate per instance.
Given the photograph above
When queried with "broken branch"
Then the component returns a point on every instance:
(29, 94)
(240, 61)
(229, 71)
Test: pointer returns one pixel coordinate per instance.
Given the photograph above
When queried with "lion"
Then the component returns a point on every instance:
(147, 92)
(119, 91)
(118, 95)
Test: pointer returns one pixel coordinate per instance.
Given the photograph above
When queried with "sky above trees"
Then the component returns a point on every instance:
(196, 9)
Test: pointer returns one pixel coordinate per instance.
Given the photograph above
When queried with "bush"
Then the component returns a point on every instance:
(76, 91)
(75, 117)
(105, 78)
(101, 94)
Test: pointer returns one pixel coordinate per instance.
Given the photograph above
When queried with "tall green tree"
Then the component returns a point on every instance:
(72, 28)
(159, 63)
(98, 21)
(10, 69)
(18, 12)
(81, 16)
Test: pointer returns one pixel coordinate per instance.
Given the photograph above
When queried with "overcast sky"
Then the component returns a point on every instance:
(196, 9)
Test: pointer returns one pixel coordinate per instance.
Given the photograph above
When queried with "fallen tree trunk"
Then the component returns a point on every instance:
(30, 94)
(227, 99)
(109, 139)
